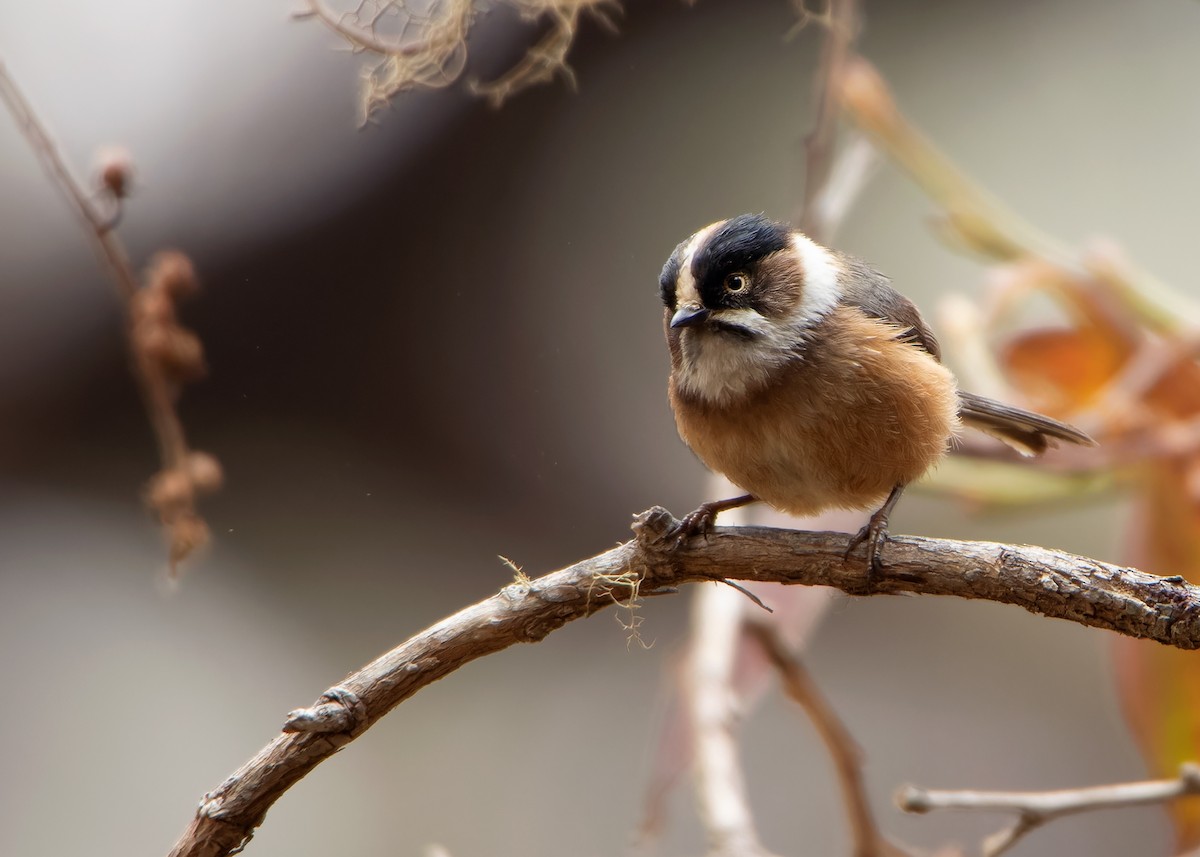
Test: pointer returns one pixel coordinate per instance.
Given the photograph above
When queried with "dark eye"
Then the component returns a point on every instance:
(737, 282)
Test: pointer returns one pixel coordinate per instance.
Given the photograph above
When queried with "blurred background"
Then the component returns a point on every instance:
(438, 340)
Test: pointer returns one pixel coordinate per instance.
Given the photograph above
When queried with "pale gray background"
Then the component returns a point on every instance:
(437, 341)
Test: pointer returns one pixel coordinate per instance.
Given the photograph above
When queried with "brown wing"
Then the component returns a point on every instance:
(1024, 431)
(872, 292)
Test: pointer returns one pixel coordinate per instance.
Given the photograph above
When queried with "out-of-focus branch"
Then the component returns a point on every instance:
(714, 692)
(855, 165)
(717, 616)
(163, 353)
(1049, 582)
(817, 213)
(1034, 809)
(799, 685)
(981, 223)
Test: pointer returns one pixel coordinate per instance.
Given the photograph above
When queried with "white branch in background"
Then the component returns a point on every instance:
(1034, 809)
(715, 710)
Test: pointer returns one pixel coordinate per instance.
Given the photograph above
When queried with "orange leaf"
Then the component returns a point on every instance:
(1178, 389)
(1061, 369)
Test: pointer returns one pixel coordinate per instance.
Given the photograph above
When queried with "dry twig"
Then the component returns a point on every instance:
(1043, 581)
(1034, 809)
(977, 221)
(799, 685)
(164, 354)
(841, 22)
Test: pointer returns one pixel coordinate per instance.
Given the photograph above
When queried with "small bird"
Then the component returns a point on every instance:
(803, 377)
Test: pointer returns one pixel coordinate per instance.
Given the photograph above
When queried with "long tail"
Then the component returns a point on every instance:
(1026, 432)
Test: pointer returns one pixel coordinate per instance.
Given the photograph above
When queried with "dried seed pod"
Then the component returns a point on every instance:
(186, 534)
(172, 272)
(153, 306)
(114, 168)
(177, 351)
(170, 493)
(204, 471)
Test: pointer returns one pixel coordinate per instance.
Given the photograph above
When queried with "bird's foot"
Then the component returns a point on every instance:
(875, 536)
(699, 522)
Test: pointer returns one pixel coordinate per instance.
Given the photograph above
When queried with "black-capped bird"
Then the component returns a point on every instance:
(803, 377)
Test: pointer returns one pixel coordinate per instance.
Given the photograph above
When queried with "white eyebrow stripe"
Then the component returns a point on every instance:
(822, 289)
(685, 286)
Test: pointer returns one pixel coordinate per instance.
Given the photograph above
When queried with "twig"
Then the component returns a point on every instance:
(980, 222)
(152, 361)
(1043, 581)
(719, 623)
(715, 714)
(841, 28)
(111, 251)
(799, 685)
(1037, 808)
(855, 165)
(754, 599)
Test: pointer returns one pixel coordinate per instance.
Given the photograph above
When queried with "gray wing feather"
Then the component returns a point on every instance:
(872, 292)
(1026, 432)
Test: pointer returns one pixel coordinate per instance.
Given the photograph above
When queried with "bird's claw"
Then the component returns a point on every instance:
(698, 522)
(875, 535)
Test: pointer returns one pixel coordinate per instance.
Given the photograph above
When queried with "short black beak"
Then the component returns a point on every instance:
(689, 316)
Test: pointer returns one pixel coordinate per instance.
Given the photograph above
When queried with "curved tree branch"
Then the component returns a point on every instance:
(1052, 583)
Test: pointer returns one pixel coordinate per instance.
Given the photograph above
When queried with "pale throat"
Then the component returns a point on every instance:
(721, 368)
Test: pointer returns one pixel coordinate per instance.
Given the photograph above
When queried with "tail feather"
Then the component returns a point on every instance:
(1026, 432)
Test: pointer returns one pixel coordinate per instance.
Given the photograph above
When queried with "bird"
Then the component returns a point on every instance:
(801, 375)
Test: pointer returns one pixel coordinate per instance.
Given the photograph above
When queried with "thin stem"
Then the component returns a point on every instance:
(843, 749)
(1037, 808)
(155, 393)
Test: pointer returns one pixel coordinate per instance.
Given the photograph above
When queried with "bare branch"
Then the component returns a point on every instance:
(1052, 583)
(799, 685)
(841, 28)
(976, 221)
(1034, 809)
(854, 166)
(715, 715)
(163, 352)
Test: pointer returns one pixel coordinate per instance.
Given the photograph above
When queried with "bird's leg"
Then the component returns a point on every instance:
(701, 520)
(875, 534)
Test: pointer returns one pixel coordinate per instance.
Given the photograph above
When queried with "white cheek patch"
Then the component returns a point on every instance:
(821, 270)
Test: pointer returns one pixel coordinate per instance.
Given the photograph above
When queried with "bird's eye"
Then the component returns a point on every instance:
(736, 282)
